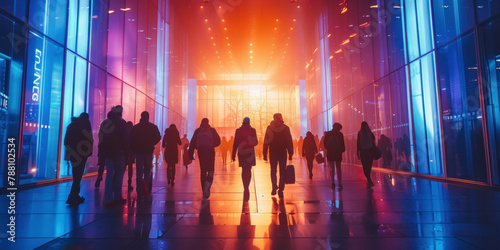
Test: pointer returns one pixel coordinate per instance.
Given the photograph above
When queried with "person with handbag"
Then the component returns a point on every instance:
(335, 147)
(365, 151)
(245, 139)
(278, 141)
(309, 150)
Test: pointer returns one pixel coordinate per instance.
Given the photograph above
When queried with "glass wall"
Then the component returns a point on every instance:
(421, 76)
(81, 56)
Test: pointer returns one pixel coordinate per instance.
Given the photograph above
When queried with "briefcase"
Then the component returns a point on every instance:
(290, 174)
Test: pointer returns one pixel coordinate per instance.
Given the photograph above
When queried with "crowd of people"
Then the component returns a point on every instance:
(122, 144)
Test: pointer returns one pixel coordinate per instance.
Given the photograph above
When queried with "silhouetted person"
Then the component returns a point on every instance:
(385, 145)
(143, 138)
(335, 146)
(245, 139)
(224, 148)
(259, 147)
(230, 144)
(278, 140)
(79, 144)
(113, 143)
(185, 155)
(171, 141)
(157, 152)
(309, 150)
(100, 171)
(365, 144)
(130, 160)
(300, 143)
(294, 142)
(205, 139)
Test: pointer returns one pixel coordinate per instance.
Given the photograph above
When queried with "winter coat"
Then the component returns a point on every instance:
(143, 137)
(335, 145)
(113, 139)
(278, 140)
(245, 139)
(171, 142)
(204, 155)
(78, 139)
(309, 149)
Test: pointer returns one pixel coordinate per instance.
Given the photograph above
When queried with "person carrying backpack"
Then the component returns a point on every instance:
(205, 139)
(245, 139)
(278, 140)
(335, 146)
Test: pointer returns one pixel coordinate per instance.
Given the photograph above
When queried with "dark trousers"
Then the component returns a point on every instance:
(367, 162)
(246, 176)
(274, 160)
(130, 172)
(143, 166)
(100, 171)
(310, 162)
(207, 163)
(77, 176)
(170, 171)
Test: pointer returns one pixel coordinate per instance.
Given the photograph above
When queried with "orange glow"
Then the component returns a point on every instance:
(228, 44)
(225, 28)
(329, 35)
(294, 20)
(366, 24)
(291, 28)
(373, 6)
(201, 7)
(209, 29)
(344, 10)
(212, 37)
(251, 52)
(124, 9)
(338, 51)
(111, 11)
(206, 20)
(277, 20)
(251, 44)
(275, 28)
(331, 57)
(345, 42)
(33, 170)
(220, 7)
(214, 44)
(353, 35)
(229, 52)
(227, 37)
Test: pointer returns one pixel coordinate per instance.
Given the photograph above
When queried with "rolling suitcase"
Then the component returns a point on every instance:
(290, 174)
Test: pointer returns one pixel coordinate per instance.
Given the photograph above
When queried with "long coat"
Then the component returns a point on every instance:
(171, 140)
(335, 145)
(245, 139)
(309, 148)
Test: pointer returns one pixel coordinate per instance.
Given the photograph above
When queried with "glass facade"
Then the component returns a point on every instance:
(422, 73)
(79, 56)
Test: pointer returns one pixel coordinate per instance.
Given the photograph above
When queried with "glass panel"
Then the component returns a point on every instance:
(113, 92)
(82, 41)
(129, 103)
(97, 113)
(115, 38)
(99, 33)
(72, 24)
(49, 16)
(80, 86)
(489, 36)
(462, 119)
(486, 9)
(43, 110)
(130, 43)
(452, 17)
(15, 7)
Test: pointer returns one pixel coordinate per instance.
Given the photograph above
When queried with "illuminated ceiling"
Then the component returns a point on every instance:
(248, 36)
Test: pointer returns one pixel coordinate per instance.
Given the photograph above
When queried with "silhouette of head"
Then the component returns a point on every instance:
(246, 120)
(278, 117)
(145, 116)
(172, 126)
(337, 126)
(204, 122)
(309, 134)
(84, 116)
(130, 124)
(185, 135)
(118, 109)
(364, 127)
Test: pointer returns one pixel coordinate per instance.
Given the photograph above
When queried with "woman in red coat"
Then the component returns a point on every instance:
(245, 139)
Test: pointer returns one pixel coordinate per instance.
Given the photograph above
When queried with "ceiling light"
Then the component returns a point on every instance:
(206, 20)
(227, 37)
(209, 29)
(220, 7)
(251, 44)
(251, 52)
(331, 57)
(201, 7)
(294, 20)
(329, 35)
(223, 20)
(124, 9)
(212, 37)
(225, 28)
(111, 11)
(277, 20)
(298, 6)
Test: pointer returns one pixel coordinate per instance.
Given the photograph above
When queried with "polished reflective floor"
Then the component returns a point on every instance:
(400, 212)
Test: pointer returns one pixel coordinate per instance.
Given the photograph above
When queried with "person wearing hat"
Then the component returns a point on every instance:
(278, 141)
(245, 139)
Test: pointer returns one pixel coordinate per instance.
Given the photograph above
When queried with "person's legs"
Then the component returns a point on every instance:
(310, 166)
(120, 170)
(203, 174)
(339, 173)
(148, 165)
(139, 172)
(168, 173)
(274, 168)
(367, 162)
(108, 185)
(246, 176)
(100, 172)
(282, 167)
(77, 177)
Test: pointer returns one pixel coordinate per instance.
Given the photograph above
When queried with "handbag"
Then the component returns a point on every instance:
(319, 158)
(376, 153)
(290, 174)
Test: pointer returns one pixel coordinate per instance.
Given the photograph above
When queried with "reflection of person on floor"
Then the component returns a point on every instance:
(143, 218)
(278, 140)
(245, 139)
(309, 150)
(79, 145)
(279, 232)
(246, 231)
(171, 142)
(206, 217)
(205, 140)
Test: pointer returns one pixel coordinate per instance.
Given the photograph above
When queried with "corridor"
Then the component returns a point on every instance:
(400, 212)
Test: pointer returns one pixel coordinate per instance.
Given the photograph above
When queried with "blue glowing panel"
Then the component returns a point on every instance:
(83, 28)
(80, 86)
(49, 17)
(72, 24)
(411, 30)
